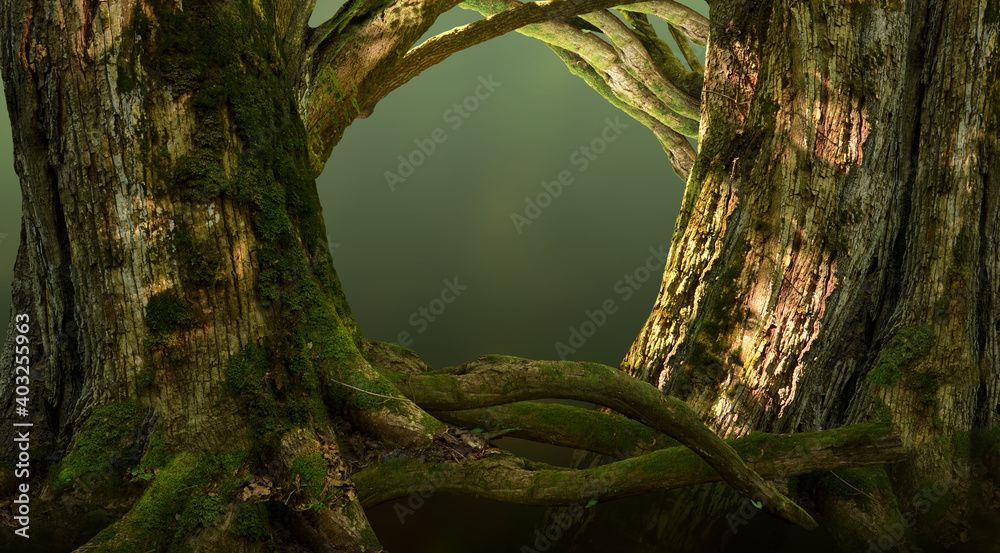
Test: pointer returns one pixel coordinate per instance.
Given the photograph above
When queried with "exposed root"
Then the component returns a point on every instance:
(563, 425)
(511, 479)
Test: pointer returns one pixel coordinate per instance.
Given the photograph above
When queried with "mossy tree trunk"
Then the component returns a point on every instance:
(174, 279)
(835, 259)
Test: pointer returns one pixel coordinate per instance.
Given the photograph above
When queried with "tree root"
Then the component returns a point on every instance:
(511, 479)
(495, 380)
(562, 425)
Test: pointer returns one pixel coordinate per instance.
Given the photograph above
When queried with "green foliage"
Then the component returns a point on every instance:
(101, 442)
(908, 345)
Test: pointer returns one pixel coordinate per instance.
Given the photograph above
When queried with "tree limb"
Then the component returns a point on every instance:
(682, 42)
(694, 25)
(678, 149)
(514, 480)
(641, 66)
(438, 48)
(495, 380)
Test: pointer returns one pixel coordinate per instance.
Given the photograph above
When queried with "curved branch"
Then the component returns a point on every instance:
(641, 66)
(605, 61)
(678, 149)
(682, 42)
(438, 48)
(694, 25)
(495, 380)
(563, 425)
(514, 480)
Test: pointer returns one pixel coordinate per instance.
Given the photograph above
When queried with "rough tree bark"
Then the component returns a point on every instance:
(194, 367)
(835, 259)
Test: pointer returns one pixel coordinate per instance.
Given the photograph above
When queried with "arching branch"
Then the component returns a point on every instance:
(678, 149)
(639, 64)
(438, 48)
(694, 25)
(495, 380)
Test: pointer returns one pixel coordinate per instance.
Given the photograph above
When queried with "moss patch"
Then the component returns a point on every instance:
(310, 470)
(167, 313)
(251, 522)
(192, 490)
(880, 412)
(907, 346)
(103, 443)
(199, 259)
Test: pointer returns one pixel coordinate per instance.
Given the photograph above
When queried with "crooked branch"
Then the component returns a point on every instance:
(438, 48)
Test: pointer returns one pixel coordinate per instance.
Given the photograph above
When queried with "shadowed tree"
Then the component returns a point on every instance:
(193, 364)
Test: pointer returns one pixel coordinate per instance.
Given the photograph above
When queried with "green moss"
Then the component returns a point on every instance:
(224, 55)
(992, 14)
(880, 412)
(199, 259)
(907, 346)
(709, 356)
(134, 37)
(245, 377)
(102, 442)
(157, 454)
(863, 484)
(311, 473)
(167, 313)
(251, 522)
(191, 490)
(144, 380)
(927, 386)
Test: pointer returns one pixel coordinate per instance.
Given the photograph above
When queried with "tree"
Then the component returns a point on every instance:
(186, 327)
(835, 259)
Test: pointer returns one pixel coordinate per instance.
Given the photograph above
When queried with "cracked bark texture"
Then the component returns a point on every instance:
(835, 258)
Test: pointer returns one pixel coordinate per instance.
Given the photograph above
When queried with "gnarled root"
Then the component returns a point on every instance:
(496, 380)
(511, 479)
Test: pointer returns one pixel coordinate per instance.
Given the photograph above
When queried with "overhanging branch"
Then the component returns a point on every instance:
(694, 25)
(438, 48)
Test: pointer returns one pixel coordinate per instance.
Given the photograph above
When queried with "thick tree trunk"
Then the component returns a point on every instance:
(174, 280)
(835, 259)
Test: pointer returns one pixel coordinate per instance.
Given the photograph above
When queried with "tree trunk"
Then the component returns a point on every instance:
(835, 259)
(174, 280)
